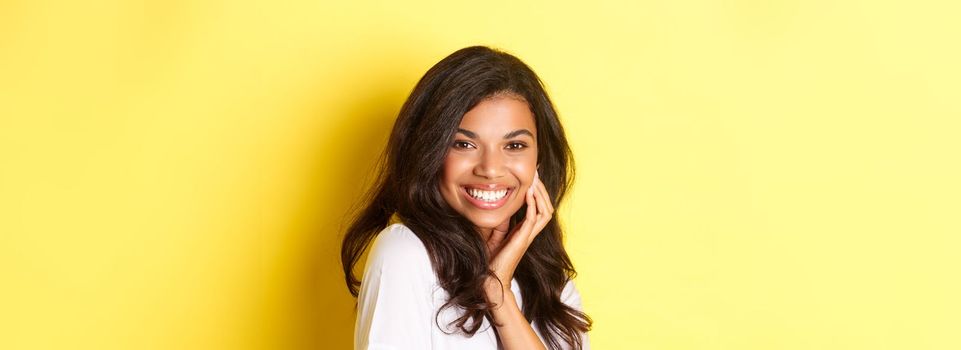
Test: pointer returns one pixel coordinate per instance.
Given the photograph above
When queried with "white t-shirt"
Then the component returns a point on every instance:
(400, 297)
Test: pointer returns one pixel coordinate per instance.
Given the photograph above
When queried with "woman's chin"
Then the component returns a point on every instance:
(487, 223)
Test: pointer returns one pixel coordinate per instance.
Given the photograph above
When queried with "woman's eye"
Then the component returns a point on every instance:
(516, 146)
(462, 144)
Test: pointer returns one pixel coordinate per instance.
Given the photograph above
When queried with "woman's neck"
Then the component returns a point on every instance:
(485, 233)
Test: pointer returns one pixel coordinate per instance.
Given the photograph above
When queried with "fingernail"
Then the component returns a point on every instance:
(530, 189)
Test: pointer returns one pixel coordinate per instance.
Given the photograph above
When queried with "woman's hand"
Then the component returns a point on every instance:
(513, 329)
(505, 256)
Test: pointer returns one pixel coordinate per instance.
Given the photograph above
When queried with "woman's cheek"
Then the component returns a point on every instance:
(455, 164)
(525, 174)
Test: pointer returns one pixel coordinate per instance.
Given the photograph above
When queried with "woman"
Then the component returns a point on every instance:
(472, 257)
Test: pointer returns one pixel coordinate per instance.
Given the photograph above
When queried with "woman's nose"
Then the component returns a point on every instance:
(490, 165)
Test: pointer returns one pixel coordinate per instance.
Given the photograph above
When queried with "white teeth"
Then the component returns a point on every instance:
(487, 196)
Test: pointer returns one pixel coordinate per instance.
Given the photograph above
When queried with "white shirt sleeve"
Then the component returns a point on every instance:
(571, 297)
(394, 306)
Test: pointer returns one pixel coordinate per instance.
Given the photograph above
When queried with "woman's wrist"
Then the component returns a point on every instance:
(495, 287)
(503, 305)
(513, 328)
(498, 292)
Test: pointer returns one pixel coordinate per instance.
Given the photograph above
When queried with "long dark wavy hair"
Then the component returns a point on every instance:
(408, 186)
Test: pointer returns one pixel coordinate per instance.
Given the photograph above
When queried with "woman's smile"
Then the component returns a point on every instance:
(487, 199)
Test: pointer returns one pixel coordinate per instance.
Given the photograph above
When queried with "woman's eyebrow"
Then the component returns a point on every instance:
(519, 132)
(511, 134)
(468, 133)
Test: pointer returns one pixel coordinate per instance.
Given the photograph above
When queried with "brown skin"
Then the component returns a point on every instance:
(486, 157)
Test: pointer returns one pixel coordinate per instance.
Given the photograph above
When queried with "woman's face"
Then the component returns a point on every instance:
(491, 162)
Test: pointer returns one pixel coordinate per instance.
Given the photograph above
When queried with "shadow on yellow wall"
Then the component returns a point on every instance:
(322, 311)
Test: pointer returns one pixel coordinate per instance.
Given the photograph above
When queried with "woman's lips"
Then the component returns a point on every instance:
(484, 204)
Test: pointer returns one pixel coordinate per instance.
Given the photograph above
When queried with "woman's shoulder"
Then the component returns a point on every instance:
(398, 249)
(398, 239)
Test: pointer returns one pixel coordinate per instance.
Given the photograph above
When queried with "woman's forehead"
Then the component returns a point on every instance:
(497, 114)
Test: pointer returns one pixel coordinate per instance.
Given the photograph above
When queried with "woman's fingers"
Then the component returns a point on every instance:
(531, 207)
(544, 207)
(546, 196)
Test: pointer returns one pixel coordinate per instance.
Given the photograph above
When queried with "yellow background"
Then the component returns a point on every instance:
(753, 174)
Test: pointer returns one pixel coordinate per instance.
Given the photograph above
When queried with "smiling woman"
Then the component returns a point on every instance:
(494, 153)
(465, 251)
